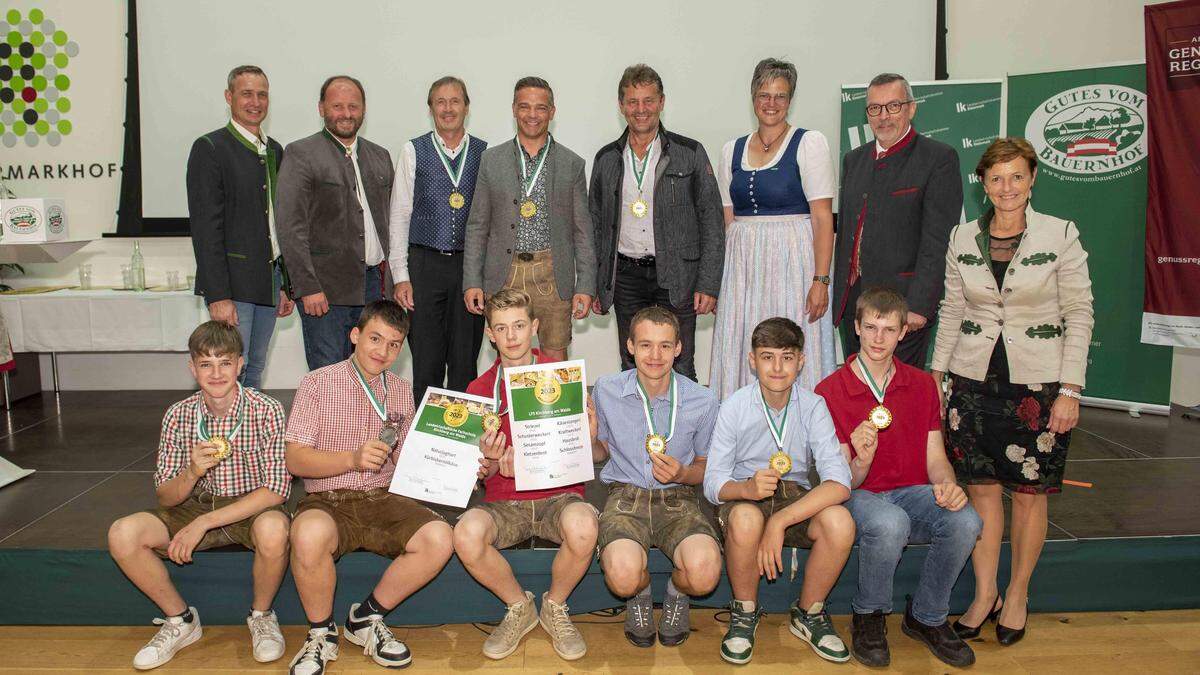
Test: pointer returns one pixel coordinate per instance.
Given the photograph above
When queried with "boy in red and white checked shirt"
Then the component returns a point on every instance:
(333, 443)
(209, 498)
(507, 517)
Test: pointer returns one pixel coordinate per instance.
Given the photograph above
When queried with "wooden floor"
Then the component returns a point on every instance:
(1120, 642)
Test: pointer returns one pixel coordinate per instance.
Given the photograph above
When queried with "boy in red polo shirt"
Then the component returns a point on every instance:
(507, 517)
(888, 419)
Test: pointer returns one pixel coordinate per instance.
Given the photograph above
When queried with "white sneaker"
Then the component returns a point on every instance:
(265, 636)
(174, 634)
(376, 639)
(319, 648)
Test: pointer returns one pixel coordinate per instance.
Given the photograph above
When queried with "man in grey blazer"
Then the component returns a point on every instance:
(529, 226)
(900, 197)
(660, 232)
(332, 220)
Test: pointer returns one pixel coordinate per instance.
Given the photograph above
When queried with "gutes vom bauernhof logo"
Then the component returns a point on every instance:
(34, 54)
(1093, 130)
(21, 219)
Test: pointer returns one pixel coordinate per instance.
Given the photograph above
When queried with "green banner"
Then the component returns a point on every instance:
(1088, 128)
(526, 405)
(453, 421)
(964, 114)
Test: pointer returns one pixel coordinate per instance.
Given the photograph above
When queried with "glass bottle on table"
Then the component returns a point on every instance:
(137, 269)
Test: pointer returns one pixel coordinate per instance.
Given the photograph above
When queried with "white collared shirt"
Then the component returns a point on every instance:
(403, 194)
(260, 144)
(372, 249)
(636, 237)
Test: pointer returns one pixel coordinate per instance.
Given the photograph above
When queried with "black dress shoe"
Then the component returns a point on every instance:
(941, 640)
(968, 632)
(1010, 636)
(868, 639)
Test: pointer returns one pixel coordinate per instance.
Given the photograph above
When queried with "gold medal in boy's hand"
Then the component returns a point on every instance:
(223, 448)
(656, 444)
(782, 463)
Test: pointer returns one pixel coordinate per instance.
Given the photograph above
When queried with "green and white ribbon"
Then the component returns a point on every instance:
(202, 425)
(455, 175)
(778, 432)
(496, 389)
(674, 406)
(875, 388)
(639, 176)
(529, 180)
(379, 407)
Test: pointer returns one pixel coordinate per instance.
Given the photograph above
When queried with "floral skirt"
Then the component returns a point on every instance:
(996, 433)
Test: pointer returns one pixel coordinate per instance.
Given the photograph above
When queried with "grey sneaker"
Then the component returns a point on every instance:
(516, 624)
(556, 620)
(816, 628)
(674, 626)
(639, 619)
(738, 645)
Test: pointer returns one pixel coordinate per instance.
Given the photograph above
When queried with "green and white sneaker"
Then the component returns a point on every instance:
(738, 645)
(816, 628)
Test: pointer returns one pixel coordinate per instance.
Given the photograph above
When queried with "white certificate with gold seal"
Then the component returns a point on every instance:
(439, 461)
(547, 407)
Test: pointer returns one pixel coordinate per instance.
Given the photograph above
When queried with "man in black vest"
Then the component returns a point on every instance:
(431, 197)
(231, 189)
(660, 232)
(900, 197)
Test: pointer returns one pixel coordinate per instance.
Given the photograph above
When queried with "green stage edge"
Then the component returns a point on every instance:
(1073, 576)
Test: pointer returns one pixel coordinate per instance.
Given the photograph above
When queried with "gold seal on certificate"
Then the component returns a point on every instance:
(781, 462)
(656, 444)
(457, 201)
(547, 390)
(880, 417)
(528, 209)
(224, 449)
(456, 414)
(639, 208)
(491, 422)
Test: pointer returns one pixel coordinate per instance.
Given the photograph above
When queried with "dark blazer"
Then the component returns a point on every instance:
(227, 207)
(913, 199)
(318, 218)
(492, 225)
(689, 224)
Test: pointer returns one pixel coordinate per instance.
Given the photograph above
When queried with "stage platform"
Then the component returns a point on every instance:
(1129, 542)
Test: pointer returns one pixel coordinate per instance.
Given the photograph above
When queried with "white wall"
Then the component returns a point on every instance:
(990, 39)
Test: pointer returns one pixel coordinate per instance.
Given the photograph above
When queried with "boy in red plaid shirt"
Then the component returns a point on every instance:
(221, 479)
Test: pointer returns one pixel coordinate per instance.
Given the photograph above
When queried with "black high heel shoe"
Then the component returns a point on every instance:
(967, 632)
(1010, 636)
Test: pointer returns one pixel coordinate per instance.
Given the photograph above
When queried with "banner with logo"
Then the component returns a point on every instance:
(1171, 313)
(964, 114)
(1088, 127)
(62, 107)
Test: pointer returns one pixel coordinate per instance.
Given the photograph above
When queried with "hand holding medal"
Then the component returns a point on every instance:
(656, 443)
(880, 417)
(780, 461)
(222, 446)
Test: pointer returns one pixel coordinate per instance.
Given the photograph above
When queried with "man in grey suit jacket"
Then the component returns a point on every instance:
(529, 226)
(332, 219)
(660, 232)
(900, 197)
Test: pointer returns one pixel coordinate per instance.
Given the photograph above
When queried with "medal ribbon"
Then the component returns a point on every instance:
(639, 176)
(527, 180)
(674, 406)
(455, 175)
(875, 388)
(777, 432)
(496, 388)
(202, 425)
(380, 408)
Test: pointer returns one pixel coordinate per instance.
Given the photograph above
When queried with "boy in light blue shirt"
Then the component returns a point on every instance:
(768, 434)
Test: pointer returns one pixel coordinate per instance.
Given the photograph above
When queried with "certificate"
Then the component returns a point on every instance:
(439, 461)
(547, 411)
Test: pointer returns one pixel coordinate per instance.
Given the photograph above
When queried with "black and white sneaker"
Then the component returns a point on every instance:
(376, 639)
(320, 648)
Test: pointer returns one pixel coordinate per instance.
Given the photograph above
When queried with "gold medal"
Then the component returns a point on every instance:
(224, 449)
(491, 422)
(639, 208)
(528, 209)
(456, 414)
(781, 462)
(656, 444)
(457, 201)
(547, 390)
(880, 417)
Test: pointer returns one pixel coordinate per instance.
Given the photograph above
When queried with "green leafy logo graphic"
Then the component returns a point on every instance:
(968, 259)
(34, 55)
(970, 328)
(1045, 331)
(1039, 259)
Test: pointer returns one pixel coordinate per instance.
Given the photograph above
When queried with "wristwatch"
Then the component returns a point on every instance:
(824, 278)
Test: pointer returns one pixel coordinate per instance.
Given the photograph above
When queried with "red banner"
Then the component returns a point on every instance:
(1172, 307)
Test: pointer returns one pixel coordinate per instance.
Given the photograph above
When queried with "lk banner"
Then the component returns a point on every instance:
(1088, 127)
(1171, 313)
(964, 114)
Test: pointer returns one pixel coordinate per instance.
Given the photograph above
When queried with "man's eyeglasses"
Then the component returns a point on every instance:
(893, 108)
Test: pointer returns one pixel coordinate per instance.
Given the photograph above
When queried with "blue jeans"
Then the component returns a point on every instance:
(256, 324)
(327, 337)
(886, 523)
